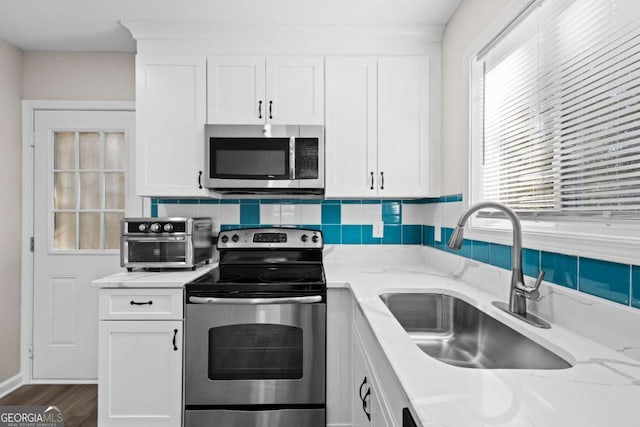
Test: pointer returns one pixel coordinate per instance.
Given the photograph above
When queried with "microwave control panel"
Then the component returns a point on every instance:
(307, 158)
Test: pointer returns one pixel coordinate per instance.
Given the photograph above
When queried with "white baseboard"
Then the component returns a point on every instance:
(11, 384)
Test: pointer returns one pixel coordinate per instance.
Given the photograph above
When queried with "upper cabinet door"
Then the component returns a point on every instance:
(295, 90)
(404, 149)
(236, 90)
(170, 117)
(351, 127)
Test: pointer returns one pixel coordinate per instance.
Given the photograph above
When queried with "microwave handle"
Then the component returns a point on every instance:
(292, 158)
(255, 301)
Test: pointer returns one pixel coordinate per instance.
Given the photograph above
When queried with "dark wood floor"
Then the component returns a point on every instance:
(79, 401)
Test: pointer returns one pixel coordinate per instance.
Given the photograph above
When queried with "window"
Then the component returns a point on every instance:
(557, 134)
(88, 190)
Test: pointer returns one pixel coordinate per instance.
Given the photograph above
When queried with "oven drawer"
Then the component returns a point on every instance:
(281, 418)
(131, 304)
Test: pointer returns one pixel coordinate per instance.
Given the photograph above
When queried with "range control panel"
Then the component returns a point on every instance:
(290, 238)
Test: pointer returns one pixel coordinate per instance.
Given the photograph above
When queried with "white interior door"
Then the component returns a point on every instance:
(82, 189)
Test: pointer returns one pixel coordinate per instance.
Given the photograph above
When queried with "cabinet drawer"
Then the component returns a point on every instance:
(131, 304)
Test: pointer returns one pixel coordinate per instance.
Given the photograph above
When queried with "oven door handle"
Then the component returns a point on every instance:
(158, 239)
(255, 301)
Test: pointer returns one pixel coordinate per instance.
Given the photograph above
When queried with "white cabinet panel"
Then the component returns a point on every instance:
(170, 118)
(378, 142)
(351, 127)
(403, 126)
(364, 396)
(236, 90)
(140, 373)
(261, 90)
(295, 91)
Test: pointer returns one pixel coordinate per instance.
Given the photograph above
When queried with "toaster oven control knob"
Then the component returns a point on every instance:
(304, 238)
(168, 227)
(315, 239)
(235, 238)
(142, 227)
(155, 227)
(224, 239)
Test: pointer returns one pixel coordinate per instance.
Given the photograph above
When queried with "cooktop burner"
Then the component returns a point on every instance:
(274, 261)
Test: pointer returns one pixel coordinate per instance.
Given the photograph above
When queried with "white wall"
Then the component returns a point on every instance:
(469, 20)
(10, 176)
(79, 76)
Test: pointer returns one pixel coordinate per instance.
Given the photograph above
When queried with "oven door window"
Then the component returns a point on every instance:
(258, 351)
(250, 158)
(157, 251)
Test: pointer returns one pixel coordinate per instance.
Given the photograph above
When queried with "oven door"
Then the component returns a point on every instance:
(254, 351)
(170, 251)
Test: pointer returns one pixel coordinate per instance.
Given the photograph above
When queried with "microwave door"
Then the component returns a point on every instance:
(251, 162)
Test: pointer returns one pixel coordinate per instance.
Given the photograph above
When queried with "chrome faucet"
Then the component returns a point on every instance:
(519, 291)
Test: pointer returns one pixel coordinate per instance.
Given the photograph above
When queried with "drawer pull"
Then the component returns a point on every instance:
(141, 303)
(175, 334)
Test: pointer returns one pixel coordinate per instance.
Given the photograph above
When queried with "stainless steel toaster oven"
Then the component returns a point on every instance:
(158, 243)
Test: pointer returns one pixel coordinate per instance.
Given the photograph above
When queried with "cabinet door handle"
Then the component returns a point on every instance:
(175, 334)
(200, 180)
(371, 181)
(382, 180)
(364, 398)
(260, 109)
(271, 109)
(141, 303)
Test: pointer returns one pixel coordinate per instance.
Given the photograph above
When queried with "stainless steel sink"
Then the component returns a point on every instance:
(455, 332)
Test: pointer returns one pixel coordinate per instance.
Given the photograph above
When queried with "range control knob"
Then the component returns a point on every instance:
(235, 238)
(168, 227)
(304, 238)
(155, 227)
(224, 239)
(315, 238)
(143, 227)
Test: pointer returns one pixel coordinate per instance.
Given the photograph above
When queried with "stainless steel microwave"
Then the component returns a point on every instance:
(264, 159)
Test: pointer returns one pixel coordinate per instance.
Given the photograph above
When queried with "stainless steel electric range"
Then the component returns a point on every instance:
(256, 332)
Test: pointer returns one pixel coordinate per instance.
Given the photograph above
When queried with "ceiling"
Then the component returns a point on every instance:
(94, 25)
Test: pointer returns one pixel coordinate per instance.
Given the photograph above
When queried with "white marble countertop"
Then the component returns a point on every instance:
(602, 388)
(152, 279)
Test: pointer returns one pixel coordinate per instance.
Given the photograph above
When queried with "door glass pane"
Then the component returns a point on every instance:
(64, 152)
(114, 190)
(114, 153)
(64, 193)
(89, 230)
(112, 229)
(89, 190)
(258, 351)
(89, 150)
(64, 235)
(89, 179)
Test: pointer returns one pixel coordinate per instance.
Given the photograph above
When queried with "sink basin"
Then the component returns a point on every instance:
(455, 332)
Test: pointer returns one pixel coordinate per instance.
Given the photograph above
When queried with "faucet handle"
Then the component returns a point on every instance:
(531, 292)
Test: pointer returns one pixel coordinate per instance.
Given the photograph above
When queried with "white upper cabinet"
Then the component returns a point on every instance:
(351, 127)
(403, 127)
(377, 128)
(170, 117)
(236, 90)
(259, 90)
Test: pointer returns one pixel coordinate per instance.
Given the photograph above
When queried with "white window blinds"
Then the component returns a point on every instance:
(561, 110)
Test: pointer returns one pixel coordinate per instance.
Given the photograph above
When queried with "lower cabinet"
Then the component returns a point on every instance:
(140, 363)
(368, 404)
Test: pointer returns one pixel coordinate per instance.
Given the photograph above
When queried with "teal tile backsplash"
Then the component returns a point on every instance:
(350, 222)
(608, 280)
